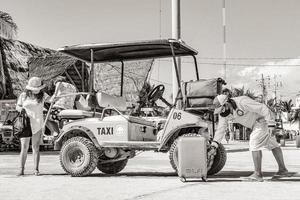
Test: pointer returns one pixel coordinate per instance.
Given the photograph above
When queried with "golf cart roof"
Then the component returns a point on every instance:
(113, 52)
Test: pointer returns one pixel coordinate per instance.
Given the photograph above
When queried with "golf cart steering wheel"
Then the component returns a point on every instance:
(156, 93)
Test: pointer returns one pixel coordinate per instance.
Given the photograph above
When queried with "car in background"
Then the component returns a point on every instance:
(8, 141)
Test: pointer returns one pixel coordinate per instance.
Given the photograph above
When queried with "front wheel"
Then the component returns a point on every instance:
(78, 156)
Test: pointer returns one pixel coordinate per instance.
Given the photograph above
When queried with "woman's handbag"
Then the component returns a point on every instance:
(21, 125)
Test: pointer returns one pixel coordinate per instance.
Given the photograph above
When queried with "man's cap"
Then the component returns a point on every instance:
(218, 102)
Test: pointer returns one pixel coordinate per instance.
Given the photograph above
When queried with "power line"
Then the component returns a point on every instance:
(249, 58)
(238, 64)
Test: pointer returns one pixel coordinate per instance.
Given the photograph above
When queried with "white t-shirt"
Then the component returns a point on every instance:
(33, 109)
(247, 113)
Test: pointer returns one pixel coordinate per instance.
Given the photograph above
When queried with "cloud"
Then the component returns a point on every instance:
(285, 73)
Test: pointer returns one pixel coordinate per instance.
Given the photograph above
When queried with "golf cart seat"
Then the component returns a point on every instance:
(85, 107)
(201, 93)
(77, 114)
(140, 121)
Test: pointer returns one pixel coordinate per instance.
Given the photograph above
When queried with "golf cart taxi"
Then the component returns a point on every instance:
(91, 139)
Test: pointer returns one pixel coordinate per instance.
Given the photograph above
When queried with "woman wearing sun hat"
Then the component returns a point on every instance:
(32, 101)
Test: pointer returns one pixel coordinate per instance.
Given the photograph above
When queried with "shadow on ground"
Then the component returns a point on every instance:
(225, 176)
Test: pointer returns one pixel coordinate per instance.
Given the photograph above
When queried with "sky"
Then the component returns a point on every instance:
(255, 29)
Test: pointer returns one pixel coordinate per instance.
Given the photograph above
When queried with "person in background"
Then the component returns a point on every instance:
(256, 116)
(62, 87)
(32, 102)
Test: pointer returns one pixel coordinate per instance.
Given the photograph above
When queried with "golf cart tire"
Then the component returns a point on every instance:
(86, 149)
(219, 160)
(113, 167)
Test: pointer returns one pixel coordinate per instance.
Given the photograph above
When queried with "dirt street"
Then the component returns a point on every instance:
(148, 176)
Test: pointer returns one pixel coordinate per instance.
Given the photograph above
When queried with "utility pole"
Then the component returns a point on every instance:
(277, 85)
(262, 83)
(176, 34)
(224, 37)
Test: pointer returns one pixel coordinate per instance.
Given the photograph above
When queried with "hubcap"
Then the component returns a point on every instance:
(110, 152)
(76, 157)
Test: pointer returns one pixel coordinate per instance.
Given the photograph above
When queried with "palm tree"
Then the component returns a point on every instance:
(286, 106)
(8, 26)
(243, 92)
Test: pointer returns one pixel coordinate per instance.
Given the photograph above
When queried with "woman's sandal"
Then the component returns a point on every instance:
(36, 173)
(21, 172)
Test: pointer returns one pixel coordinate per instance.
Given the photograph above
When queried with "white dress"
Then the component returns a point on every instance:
(34, 111)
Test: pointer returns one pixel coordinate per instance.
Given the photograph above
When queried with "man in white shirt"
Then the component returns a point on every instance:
(256, 116)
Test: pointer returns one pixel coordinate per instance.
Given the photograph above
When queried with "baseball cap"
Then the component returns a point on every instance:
(218, 102)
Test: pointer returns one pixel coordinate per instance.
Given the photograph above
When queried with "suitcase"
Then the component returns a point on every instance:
(192, 158)
(298, 140)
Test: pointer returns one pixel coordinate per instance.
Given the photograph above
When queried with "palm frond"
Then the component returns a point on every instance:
(8, 19)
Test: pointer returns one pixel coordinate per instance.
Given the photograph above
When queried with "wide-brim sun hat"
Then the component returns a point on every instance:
(35, 85)
(219, 102)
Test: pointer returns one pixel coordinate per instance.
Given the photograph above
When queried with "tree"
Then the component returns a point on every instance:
(286, 106)
(8, 26)
(243, 92)
(8, 29)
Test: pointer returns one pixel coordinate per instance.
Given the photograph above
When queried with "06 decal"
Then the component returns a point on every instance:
(177, 115)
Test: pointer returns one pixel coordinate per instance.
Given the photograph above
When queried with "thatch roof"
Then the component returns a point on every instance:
(135, 74)
(49, 67)
(14, 68)
(17, 56)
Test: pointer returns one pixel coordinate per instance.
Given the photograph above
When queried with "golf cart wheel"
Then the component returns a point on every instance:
(219, 160)
(112, 167)
(78, 156)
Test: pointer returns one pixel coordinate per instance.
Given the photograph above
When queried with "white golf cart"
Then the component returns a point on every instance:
(89, 139)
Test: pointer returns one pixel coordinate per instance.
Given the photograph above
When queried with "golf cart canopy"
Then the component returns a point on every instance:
(114, 52)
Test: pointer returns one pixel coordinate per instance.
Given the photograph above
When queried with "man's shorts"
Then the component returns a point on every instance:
(261, 138)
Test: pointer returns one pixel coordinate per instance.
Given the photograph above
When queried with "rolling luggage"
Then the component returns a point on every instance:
(192, 158)
(298, 140)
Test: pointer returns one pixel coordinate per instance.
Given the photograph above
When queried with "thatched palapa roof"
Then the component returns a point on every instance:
(49, 67)
(14, 55)
(136, 74)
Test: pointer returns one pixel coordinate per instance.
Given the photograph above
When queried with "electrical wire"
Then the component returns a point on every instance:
(238, 64)
(249, 58)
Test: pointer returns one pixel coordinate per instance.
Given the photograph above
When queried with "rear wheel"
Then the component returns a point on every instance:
(78, 156)
(112, 167)
(219, 160)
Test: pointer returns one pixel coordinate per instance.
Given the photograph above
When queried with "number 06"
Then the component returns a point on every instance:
(177, 115)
